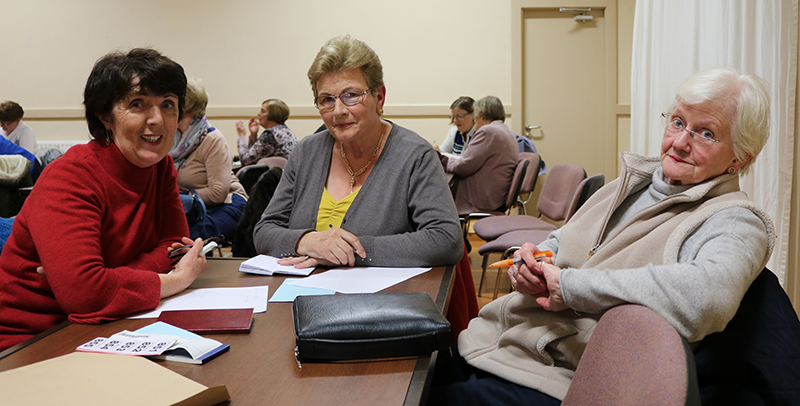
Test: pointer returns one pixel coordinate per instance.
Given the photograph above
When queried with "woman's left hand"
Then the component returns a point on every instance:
(552, 299)
(334, 247)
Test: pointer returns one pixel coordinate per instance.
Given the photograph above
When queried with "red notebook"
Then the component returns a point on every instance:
(210, 321)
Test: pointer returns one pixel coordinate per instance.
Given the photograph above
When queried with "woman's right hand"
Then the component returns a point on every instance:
(185, 271)
(253, 125)
(331, 247)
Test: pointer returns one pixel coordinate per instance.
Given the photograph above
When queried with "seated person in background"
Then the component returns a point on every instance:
(463, 127)
(94, 238)
(9, 148)
(203, 160)
(365, 192)
(12, 127)
(672, 233)
(276, 140)
(484, 171)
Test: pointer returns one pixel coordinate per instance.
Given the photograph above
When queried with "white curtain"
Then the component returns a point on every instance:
(672, 39)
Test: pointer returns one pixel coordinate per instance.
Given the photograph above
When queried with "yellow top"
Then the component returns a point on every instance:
(331, 211)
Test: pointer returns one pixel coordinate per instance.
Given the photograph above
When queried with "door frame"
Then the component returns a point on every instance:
(610, 130)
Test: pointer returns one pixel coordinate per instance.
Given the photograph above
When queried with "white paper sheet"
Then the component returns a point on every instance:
(359, 279)
(254, 297)
(267, 265)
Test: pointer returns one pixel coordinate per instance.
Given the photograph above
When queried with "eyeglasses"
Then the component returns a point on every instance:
(348, 98)
(459, 116)
(675, 126)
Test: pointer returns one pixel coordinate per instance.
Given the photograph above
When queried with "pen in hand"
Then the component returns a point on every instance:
(351, 245)
(511, 261)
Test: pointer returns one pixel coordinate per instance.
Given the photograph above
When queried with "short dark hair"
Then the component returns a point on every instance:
(10, 111)
(117, 74)
(464, 103)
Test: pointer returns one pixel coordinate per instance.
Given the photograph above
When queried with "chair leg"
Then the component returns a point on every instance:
(500, 272)
(483, 273)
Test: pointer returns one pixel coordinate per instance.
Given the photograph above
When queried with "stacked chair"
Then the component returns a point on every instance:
(562, 182)
(509, 239)
(510, 202)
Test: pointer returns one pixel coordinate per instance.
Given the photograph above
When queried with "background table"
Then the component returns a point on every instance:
(260, 367)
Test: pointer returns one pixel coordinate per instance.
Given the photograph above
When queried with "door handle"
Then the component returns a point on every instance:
(529, 128)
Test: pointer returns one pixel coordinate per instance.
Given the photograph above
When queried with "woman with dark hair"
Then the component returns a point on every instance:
(463, 127)
(94, 239)
(12, 127)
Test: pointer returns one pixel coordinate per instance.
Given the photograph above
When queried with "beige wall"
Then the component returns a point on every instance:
(250, 50)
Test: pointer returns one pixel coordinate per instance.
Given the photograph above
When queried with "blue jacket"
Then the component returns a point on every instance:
(9, 148)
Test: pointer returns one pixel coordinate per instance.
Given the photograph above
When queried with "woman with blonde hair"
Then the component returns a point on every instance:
(365, 191)
(204, 163)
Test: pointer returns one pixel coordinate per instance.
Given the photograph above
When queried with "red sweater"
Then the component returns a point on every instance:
(100, 227)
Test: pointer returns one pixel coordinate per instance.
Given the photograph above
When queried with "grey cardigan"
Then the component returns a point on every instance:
(404, 214)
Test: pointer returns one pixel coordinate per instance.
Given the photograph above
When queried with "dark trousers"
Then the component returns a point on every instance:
(455, 382)
(222, 219)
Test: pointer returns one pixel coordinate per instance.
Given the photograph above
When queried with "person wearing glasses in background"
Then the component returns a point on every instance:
(673, 233)
(463, 127)
(483, 172)
(365, 191)
(276, 140)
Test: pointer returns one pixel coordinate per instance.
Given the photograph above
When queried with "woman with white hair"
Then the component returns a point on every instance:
(673, 233)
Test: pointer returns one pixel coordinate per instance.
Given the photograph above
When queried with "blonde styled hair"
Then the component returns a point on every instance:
(345, 53)
(196, 98)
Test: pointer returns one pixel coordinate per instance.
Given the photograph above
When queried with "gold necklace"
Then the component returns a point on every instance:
(354, 175)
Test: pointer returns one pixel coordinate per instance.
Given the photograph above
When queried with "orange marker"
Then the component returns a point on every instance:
(511, 261)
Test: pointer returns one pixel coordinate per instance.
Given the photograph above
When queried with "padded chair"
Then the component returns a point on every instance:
(511, 241)
(273, 161)
(587, 187)
(635, 357)
(248, 175)
(510, 202)
(554, 203)
(530, 180)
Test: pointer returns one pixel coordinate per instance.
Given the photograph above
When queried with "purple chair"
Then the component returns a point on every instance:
(634, 357)
(511, 241)
(529, 181)
(510, 201)
(554, 203)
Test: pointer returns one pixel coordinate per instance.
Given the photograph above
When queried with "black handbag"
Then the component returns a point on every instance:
(379, 325)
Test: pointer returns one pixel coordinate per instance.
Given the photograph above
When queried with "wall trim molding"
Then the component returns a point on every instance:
(424, 111)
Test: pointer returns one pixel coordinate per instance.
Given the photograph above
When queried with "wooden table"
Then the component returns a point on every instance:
(260, 368)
